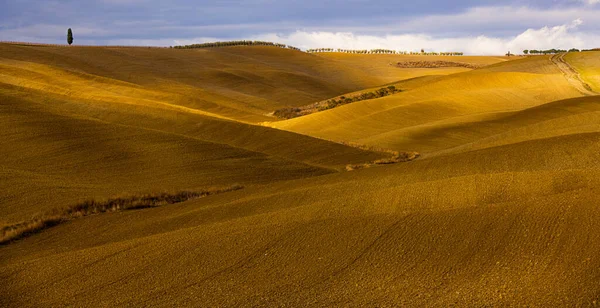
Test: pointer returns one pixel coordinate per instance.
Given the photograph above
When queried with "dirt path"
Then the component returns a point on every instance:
(572, 75)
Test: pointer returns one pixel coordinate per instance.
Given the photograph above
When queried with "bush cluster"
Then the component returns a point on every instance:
(555, 51)
(397, 157)
(294, 112)
(320, 50)
(14, 232)
(332, 103)
(288, 112)
(234, 43)
(548, 51)
(384, 51)
(434, 64)
(433, 53)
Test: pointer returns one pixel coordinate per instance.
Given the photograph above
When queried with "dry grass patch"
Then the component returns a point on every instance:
(435, 64)
(294, 112)
(399, 157)
(396, 156)
(24, 229)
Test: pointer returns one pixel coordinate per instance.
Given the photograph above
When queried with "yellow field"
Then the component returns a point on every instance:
(400, 121)
(500, 209)
(588, 66)
(379, 65)
(70, 135)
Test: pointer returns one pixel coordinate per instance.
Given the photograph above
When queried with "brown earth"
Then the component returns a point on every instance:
(501, 209)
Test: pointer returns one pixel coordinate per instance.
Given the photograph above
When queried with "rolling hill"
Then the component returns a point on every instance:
(481, 228)
(69, 136)
(380, 64)
(500, 210)
(240, 83)
(391, 121)
(587, 65)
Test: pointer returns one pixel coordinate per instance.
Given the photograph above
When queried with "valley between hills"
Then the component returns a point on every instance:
(161, 177)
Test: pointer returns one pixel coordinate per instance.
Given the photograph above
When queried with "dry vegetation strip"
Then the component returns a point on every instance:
(396, 157)
(24, 229)
(294, 112)
(435, 64)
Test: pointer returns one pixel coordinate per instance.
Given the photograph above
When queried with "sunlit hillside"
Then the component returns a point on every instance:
(69, 136)
(242, 83)
(498, 209)
(408, 120)
(380, 64)
(588, 66)
(501, 226)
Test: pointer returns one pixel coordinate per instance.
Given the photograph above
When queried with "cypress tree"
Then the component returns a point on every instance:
(69, 36)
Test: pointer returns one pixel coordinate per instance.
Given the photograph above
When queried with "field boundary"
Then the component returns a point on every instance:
(572, 75)
(295, 112)
(14, 232)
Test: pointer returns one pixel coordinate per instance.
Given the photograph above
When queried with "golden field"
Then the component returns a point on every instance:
(501, 208)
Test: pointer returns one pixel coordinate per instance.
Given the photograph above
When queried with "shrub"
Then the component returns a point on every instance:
(287, 113)
(434, 64)
(89, 207)
(234, 43)
(396, 157)
(294, 112)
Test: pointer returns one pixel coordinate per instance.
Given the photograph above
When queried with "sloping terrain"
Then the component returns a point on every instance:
(587, 65)
(242, 83)
(50, 158)
(453, 99)
(501, 210)
(379, 65)
(572, 75)
(68, 136)
(482, 228)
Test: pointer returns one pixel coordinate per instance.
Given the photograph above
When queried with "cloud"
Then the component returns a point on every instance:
(497, 20)
(563, 36)
(475, 30)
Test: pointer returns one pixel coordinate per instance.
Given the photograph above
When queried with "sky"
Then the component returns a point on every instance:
(471, 26)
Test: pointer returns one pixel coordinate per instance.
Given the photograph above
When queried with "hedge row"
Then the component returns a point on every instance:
(384, 51)
(234, 43)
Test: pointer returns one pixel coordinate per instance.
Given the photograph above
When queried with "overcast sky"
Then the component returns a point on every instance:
(471, 26)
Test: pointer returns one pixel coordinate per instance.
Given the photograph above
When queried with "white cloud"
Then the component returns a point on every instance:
(497, 19)
(479, 30)
(568, 34)
(564, 36)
